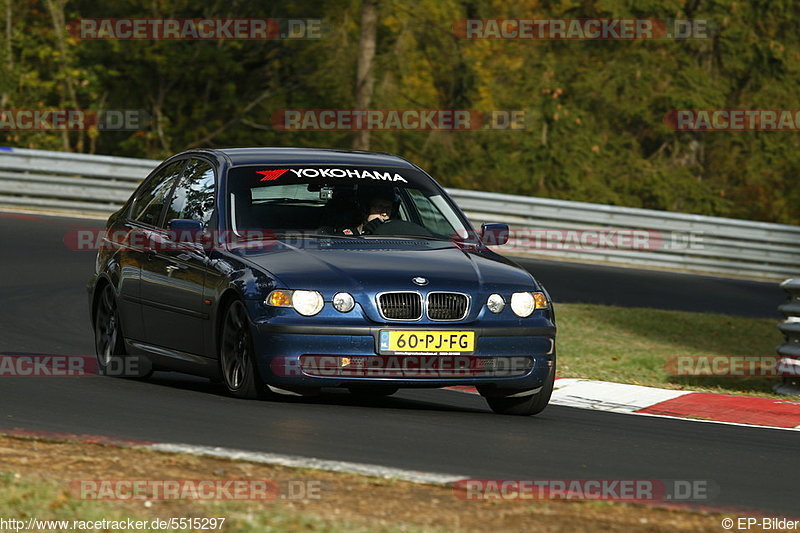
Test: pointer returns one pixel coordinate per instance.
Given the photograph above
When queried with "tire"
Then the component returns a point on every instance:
(237, 355)
(531, 404)
(109, 341)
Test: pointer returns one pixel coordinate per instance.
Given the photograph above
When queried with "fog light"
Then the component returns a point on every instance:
(495, 303)
(343, 302)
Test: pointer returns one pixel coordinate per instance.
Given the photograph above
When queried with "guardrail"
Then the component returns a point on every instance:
(790, 350)
(82, 183)
(670, 240)
(542, 227)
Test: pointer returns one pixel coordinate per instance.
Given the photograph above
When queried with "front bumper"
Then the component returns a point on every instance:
(284, 350)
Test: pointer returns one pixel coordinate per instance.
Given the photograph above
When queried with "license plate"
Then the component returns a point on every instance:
(431, 342)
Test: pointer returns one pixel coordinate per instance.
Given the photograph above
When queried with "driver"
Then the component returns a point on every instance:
(377, 214)
(379, 211)
(382, 214)
(347, 215)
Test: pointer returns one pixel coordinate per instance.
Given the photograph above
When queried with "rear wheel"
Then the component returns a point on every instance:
(112, 359)
(526, 404)
(237, 355)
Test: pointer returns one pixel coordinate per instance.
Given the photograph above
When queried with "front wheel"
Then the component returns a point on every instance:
(524, 405)
(237, 355)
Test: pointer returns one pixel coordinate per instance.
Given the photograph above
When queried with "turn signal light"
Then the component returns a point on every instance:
(540, 299)
(280, 299)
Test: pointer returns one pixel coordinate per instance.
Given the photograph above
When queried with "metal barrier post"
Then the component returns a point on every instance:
(790, 350)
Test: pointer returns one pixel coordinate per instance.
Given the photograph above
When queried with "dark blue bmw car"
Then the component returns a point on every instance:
(284, 270)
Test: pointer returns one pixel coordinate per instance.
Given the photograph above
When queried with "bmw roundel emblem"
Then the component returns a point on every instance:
(419, 280)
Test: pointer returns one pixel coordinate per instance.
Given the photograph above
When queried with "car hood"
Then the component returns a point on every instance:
(375, 265)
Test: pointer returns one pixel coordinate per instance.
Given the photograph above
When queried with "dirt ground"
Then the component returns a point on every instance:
(372, 503)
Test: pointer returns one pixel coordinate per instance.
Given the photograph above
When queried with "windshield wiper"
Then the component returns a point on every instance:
(327, 236)
(424, 237)
(275, 235)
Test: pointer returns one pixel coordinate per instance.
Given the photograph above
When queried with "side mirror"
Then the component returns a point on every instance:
(494, 234)
(184, 230)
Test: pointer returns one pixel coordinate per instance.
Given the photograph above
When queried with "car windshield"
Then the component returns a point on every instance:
(343, 201)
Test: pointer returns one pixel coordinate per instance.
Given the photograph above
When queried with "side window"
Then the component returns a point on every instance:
(149, 201)
(194, 195)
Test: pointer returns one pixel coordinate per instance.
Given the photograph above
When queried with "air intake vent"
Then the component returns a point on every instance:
(447, 305)
(400, 305)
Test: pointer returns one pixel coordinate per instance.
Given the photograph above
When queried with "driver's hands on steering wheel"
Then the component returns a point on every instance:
(372, 223)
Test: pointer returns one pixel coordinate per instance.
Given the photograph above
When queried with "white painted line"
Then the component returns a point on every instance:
(607, 396)
(294, 461)
(623, 398)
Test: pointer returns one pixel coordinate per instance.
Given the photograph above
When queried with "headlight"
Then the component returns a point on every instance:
(307, 303)
(496, 303)
(343, 302)
(525, 303)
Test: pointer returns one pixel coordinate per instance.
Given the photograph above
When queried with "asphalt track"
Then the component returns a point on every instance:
(43, 310)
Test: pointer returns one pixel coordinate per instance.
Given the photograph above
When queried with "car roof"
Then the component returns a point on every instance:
(287, 156)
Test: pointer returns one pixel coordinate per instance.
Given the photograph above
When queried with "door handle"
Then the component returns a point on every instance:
(172, 268)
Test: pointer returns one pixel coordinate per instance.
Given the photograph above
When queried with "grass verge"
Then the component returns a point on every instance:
(631, 345)
(36, 477)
